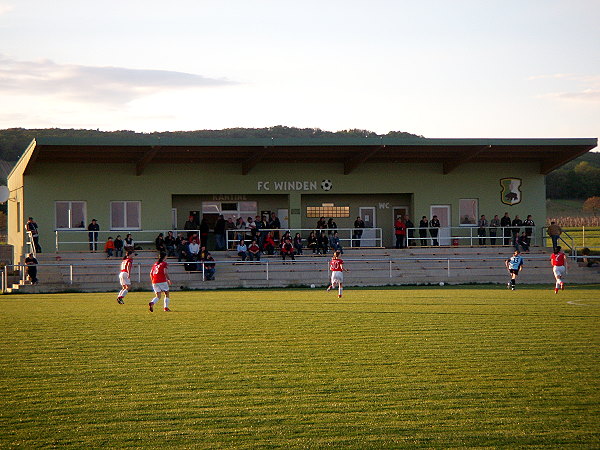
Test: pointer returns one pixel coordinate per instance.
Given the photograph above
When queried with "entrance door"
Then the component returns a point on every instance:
(398, 211)
(369, 237)
(443, 214)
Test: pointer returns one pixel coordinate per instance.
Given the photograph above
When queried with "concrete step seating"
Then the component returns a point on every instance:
(93, 272)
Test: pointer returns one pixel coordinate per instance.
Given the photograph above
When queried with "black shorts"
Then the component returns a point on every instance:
(515, 271)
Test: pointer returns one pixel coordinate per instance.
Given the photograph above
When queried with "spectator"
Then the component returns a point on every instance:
(423, 225)
(312, 242)
(529, 223)
(252, 227)
(506, 231)
(229, 226)
(31, 265)
(321, 224)
(194, 248)
(434, 227)
(182, 249)
(263, 230)
(331, 225)
(220, 227)
(523, 242)
(482, 224)
(274, 224)
(190, 226)
(242, 250)
(554, 231)
(298, 243)
(209, 267)
(159, 243)
(410, 230)
(494, 224)
(240, 225)
(323, 243)
(359, 224)
(334, 242)
(109, 247)
(269, 244)
(93, 229)
(516, 229)
(32, 227)
(128, 244)
(254, 251)
(170, 244)
(287, 249)
(400, 232)
(204, 229)
(258, 226)
(118, 246)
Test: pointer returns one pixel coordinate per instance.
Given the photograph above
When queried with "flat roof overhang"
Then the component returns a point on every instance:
(349, 152)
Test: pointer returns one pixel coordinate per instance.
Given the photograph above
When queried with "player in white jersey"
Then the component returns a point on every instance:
(124, 276)
(336, 265)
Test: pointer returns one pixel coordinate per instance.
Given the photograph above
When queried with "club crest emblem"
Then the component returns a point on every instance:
(511, 191)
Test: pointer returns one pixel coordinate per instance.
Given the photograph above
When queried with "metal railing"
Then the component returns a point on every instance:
(468, 236)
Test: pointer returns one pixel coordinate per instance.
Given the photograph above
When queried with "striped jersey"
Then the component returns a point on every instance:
(126, 265)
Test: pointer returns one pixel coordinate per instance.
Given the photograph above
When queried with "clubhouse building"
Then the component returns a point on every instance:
(146, 184)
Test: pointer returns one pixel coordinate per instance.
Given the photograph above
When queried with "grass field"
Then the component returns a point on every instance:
(380, 368)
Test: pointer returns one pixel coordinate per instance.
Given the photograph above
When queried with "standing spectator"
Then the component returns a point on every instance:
(190, 226)
(274, 224)
(505, 224)
(254, 251)
(118, 246)
(331, 225)
(423, 225)
(31, 265)
(559, 268)
(252, 227)
(298, 243)
(170, 244)
(258, 225)
(128, 243)
(220, 227)
(242, 250)
(494, 224)
(482, 224)
(240, 225)
(359, 224)
(400, 232)
(159, 243)
(410, 230)
(323, 243)
(514, 265)
(516, 229)
(529, 223)
(32, 227)
(434, 227)
(321, 224)
(312, 242)
(554, 231)
(263, 230)
(159, 277)
(109, 247)
(93, 229)
(204, 229)
(334, 242)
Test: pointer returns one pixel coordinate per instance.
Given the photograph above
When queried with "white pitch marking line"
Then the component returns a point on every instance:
(572, 302)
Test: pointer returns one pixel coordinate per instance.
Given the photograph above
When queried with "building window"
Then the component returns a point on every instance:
(70, 215)
(327, 210)
(125, 215)
(231, 210)
(468, 211)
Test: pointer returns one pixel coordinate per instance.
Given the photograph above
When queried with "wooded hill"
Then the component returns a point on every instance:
(579, 179)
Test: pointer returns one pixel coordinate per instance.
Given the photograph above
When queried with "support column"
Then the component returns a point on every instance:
(295, 213)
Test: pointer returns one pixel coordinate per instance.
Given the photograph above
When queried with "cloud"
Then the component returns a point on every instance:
(5, 8)
(112, 85)
(579, 87)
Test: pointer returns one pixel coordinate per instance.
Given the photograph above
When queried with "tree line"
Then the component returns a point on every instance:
(579, 179)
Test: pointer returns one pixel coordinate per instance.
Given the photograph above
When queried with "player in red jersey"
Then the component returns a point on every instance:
(559, 268)
(336, 265)
(124, 276)
(159, 276)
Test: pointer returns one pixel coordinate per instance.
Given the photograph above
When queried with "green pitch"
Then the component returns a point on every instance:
(430, 367)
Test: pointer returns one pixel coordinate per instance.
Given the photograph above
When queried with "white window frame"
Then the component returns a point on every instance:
(69, 212)
(476, 214)
(126, 226)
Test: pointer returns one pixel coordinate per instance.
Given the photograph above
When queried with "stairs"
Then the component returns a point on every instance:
(92, 272)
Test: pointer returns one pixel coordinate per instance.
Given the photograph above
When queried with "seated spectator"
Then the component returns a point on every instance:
(269, 244)
(287, 249)
(587, 261)
(182, 248)
(209, 267)
(109, 247)
(254, 251)
(334, 242)
(170, 244)
(194, 248)
(298, 243)
(159, 243)
(128, 244)
(118, 246)
(312, 242)
(523, 241)
(323, 243)
(242, 250)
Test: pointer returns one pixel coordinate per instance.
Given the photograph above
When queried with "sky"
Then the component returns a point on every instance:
(437, 68)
